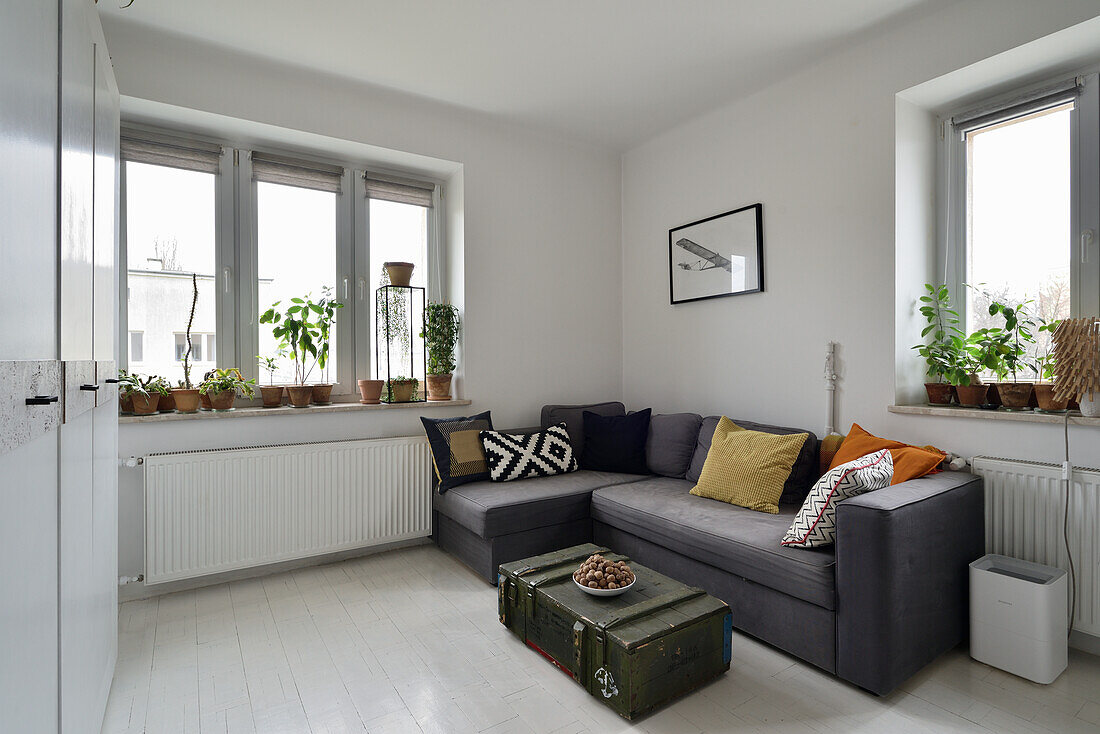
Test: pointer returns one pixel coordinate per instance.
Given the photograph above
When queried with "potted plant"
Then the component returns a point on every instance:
(167, 403)
(370, 391)
(145, 395)
(223, 387)
(441, 330)
(204, 399)
(271, 393)
(185, 396)
(981, 352)
(393, 323)
(942, 355)
(402, 389)
(325, 311)
(298, 337)
(1018, 333)
(400, 273)
(1045, 363)
(125, 399)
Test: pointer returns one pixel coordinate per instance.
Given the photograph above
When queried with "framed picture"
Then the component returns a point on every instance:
(718, 256)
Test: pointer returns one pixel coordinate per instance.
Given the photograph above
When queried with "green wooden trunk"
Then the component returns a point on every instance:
(635, 652)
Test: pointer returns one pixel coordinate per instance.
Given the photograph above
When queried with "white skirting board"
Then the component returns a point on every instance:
(209, 512)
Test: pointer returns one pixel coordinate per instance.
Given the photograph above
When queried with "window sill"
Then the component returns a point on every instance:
(284, 411)
(1075, 418)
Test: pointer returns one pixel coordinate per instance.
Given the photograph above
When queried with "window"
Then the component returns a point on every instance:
(255, 227)
(137, 347)
(1022, 207)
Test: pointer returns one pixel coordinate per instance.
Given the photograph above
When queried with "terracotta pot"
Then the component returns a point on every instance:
(403, 391)
(272, 395)
(939, 393)
(972, 396)
(400, 273)
(167, 403)
(223, 400)
(125, 403)
(204, 400)
(1044, 396)
(371, 391)
(1014, 394)
(322, 394)
(439, 387)
(145, 404)
(187, 401)
(299, 395)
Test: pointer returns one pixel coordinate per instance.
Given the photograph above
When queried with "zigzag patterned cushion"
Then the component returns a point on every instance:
(541, 454)
(815, 524)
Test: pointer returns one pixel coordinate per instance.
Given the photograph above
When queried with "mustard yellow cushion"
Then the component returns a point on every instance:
(748, 468)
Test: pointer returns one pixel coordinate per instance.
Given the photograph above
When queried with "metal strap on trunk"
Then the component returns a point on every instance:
(527, 570)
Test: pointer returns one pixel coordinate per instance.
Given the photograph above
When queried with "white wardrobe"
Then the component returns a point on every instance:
(59, 124)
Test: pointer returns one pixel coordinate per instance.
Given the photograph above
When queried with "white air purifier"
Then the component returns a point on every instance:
(1018, 613)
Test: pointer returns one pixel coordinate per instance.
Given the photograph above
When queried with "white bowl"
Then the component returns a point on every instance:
(605, 592)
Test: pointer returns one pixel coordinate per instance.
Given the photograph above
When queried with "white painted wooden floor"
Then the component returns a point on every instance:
(408, 641)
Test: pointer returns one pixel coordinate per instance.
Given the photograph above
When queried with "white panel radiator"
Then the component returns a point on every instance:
(213, 511)
(1024, 506)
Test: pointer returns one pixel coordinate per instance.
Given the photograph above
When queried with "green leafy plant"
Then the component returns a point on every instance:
(129, 384)
(270, 365)
(393, 316)
(217, 381)
(325, 311)
(156, 384)
(1045, 361)
(440, 335)
(298, 335)
(1019, 334)
(402, 381)
(943, 354)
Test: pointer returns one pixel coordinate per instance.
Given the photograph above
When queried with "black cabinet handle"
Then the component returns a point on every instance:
(42, 400)
(112, 380)
(89, 388)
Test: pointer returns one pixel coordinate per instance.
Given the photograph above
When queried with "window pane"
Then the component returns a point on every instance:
(170, 234)
(296, 242)
(1018, 215)
(398, 232)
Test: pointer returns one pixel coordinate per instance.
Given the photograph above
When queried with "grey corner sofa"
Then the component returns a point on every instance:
(887, 599)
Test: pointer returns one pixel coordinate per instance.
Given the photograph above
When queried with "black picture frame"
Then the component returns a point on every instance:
(706, 255)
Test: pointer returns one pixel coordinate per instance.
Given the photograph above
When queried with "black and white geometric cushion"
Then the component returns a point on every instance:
(541, 454)
(815, 524)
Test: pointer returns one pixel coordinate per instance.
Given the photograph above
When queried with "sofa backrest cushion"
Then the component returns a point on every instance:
(803, 472)
(573, 418)
(671, 443)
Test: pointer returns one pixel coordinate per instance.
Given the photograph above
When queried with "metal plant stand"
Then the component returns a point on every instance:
(400, 309)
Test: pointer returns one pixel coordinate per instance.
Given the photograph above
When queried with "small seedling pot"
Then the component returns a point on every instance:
(300, 395)
(272, 395)
(322, 394)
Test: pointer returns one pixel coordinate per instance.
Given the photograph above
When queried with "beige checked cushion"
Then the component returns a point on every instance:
(748, 468)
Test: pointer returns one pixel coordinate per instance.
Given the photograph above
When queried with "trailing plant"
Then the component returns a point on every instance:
(1045, 361)
(402, 381)
(218, 381)
(1019, 332)
(270, 365)
(190, 321)
(393, 320)
(326, 310)
(943, 354)
(440, 335)
(298, 336)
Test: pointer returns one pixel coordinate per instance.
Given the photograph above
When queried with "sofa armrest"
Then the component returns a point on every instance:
(901, 575)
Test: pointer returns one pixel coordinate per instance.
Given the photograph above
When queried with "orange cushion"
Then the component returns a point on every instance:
(910, 462)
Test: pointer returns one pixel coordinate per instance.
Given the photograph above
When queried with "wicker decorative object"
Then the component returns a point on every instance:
(1077, 355)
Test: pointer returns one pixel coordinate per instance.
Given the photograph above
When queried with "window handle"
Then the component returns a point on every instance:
(225, 279)
(346, 285)
(362, 286)
(89, 388)
(42, 400)
(1086, 242)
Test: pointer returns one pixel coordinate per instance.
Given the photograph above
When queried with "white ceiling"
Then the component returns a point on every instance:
(615, 72)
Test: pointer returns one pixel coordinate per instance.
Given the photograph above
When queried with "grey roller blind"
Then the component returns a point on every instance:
(403, 191)
(271, 168)
(141, 146)
(1025, 104)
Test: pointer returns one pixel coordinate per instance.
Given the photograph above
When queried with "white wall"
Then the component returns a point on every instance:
(539, 229)
(818, 150)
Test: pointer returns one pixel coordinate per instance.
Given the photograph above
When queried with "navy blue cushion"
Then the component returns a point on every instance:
(457, 454)
(616, 443)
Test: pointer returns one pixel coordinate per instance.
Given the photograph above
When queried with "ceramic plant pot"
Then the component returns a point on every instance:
(1090, 404)
(223, 400)
(204, 400)
(1015, 395)
(187, 401)
(322, 394)
(370, 391)
(403, 391)
(1044, 396)
(300, 395)
(125, 403)
(939, 393)
(145, 404)
(972, 396)
(400, 273)
(167, 403)
(439, 387)
(272, 395)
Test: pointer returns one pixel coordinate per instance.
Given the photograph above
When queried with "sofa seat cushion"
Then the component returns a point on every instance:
(734, 539)
(497, 508)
